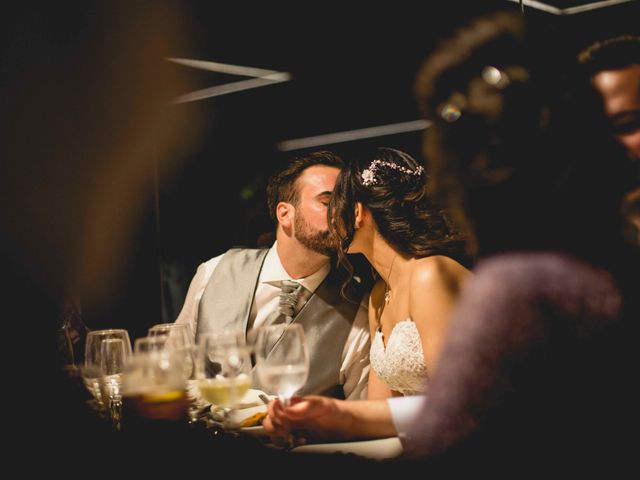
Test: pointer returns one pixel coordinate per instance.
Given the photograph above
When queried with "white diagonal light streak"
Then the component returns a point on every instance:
(545, 7)
(223, 67)
(592, 6)
(351, 135)
(231, 87)
(263, 77)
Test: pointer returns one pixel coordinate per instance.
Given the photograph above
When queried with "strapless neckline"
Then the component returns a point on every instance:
(400, 362)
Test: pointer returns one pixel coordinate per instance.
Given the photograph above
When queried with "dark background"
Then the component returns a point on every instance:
(352, 67)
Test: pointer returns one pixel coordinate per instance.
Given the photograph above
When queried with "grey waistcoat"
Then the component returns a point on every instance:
(326, 317)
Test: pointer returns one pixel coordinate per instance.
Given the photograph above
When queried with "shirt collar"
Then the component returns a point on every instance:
(273, 271)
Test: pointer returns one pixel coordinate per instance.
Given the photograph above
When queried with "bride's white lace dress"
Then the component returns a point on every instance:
(400, 364)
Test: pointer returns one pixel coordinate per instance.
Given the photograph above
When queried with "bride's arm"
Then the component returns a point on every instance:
(435, 284)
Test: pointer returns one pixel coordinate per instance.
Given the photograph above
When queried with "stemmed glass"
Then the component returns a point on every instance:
(144, 345)
(178, 337)
(106, 352)
(223, 367)
(93, 369)
(282, 359)
(178, 332)
(114, 354)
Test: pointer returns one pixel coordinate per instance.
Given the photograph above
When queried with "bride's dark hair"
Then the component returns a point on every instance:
(392, 185)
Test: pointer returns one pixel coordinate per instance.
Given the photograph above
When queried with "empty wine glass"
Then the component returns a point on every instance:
(178, 337)
(149, 344)
(223, 369)
(114, 353)
(93, 367)
(179, 333)
(282, 360)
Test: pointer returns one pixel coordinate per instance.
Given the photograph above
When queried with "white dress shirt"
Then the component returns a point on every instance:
(354, 371)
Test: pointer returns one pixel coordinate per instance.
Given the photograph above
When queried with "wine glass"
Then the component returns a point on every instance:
(153, 385)
(149, 344)
(178, 337)
(179, 333)
(223, 369)
(282, 359)
(93, 369)
(113, 355)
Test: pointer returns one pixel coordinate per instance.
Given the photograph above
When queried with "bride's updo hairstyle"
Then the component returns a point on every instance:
(391, 184)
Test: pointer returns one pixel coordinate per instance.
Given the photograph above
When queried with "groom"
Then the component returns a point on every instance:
(242, 288)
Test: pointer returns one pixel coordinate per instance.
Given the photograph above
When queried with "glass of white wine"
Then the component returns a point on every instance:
(223, 371)
(282, 359)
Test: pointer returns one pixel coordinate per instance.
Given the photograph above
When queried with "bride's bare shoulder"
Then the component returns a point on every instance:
(439, 270)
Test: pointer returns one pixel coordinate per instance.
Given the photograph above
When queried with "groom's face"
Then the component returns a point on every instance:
(315, 187)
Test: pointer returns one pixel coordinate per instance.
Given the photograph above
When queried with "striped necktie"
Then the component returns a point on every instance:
(289, 294)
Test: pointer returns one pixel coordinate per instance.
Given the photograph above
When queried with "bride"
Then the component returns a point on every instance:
(380, 208)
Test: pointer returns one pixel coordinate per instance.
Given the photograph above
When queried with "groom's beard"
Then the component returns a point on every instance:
(319, 241)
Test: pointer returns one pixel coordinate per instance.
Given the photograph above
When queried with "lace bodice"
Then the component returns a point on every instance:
(401, 364)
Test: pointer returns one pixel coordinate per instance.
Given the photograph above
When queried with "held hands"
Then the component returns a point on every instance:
(310, 418)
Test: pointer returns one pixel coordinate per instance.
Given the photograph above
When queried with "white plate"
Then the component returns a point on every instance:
(257, 430)
(238, 416)
(251, 397)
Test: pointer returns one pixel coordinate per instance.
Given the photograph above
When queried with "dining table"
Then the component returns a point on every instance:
(377, 449)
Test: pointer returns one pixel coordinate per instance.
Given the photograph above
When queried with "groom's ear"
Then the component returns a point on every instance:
(285, 213)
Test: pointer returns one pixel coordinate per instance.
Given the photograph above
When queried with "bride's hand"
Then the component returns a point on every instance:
(276, 423)
(308, 418)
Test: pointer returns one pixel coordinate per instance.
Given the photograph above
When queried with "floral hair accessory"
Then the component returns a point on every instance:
(369, 174)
